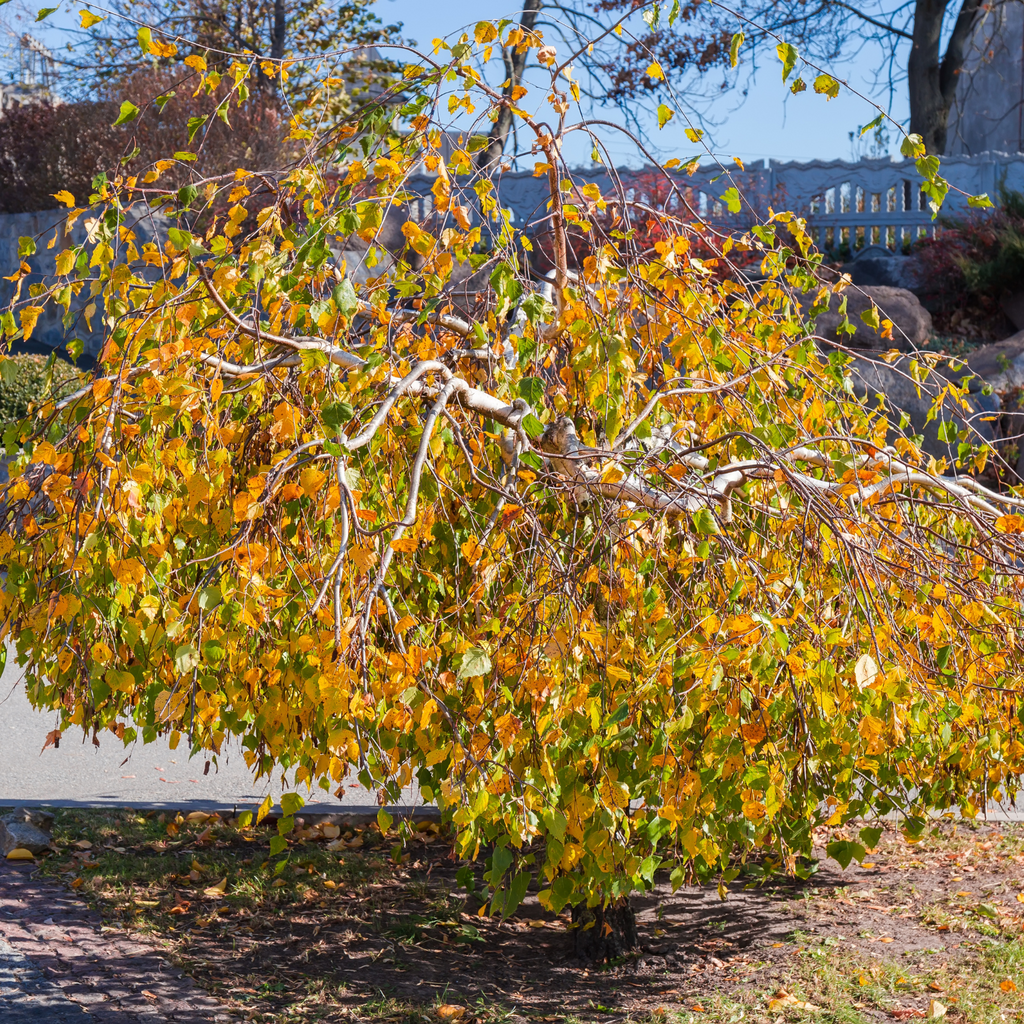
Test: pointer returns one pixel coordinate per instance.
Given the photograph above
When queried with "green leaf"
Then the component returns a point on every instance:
(26, 246)
(222, 113)
(128, 113)
(872, 124)
(145, 37)
(245, 819)
(278, 844)
(870, 837)
(178, 238)
(562, 889)
(788, 54)
(514, 894)
(826, 85)
(336, 415)
(870, 317)
(186, 194)
(475, 662)
(912, 146)
(731, 198)
(185, 155)
(947, 431)
(209, 598)
(704, 522)
(532, 426)
(8, 372)
(194, 124)
(981, 201)
(734, 49)
(384, 820)
(843, 852)
(162, 101)
(345, 298)
(186, 658)
(798, 86)
(291, 803)
(531, 390)
(665, 114)
(45, 13)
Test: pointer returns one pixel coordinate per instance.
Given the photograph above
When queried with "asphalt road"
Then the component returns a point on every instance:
(140, 775)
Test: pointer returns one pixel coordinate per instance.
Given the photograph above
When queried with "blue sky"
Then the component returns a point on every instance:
(769, 122)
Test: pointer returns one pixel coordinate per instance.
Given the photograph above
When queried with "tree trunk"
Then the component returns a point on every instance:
(932, 81)
(604, 933)
(515, 65)
(277, 32)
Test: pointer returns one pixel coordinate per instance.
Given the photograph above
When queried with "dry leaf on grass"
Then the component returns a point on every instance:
(1008, 985)
(450, 1011)
(936, 1010)
(783, 999)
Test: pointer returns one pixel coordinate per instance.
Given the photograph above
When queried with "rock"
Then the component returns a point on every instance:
(1000, 364)
(901, 394)
(1013, 307)
(911, 322)
(25, 829)
(877, 266)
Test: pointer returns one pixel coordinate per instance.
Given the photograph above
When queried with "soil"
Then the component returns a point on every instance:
(406, 942)
(917, 904)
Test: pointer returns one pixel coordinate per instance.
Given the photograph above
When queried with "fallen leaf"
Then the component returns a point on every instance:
(330, 831)
(329, 884)
(885, 938)
(782, 999)
(83, 844)
(218, 889)
(278, 883)
(20, 853)
(943, 928)
(149, 995)
(77, 883)
(935, 986)
(963, 893)
(536, 924)
(1008, 985)
(450, 1011)
(199, 816)
(906, 1012)
(697, 1008)
(936, 1010)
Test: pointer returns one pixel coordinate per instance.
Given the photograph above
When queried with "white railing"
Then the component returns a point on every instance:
(846, 203)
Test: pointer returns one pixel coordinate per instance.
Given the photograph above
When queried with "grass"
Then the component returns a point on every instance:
(270, 942)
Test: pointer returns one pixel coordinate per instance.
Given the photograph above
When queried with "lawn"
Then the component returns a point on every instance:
(355, 924)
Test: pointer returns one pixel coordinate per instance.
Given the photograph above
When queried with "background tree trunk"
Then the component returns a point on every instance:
(931, 81)
(515, 65)
(612, 934)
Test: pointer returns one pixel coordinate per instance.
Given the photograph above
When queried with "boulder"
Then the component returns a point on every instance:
(911, 322)
(1000, 364)
(877, 266)
(25, 829)
(894, 386)
(1013, 307)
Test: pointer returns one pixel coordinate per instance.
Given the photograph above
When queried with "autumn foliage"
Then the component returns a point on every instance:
(625, 580)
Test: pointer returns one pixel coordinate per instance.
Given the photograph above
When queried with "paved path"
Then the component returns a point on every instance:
(142, 775)
(57, 962)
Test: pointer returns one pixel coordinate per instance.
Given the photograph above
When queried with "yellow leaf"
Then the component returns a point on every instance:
(654, 71)
(1008, 985)
(193, 60)
(64, 196)
(29, 319)
(20, 853)
(405, 545)
(936, 1010)
(312, 479)
(218, 889)
(88, 20)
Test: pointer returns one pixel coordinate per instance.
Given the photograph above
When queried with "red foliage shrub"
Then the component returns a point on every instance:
(45, 148)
